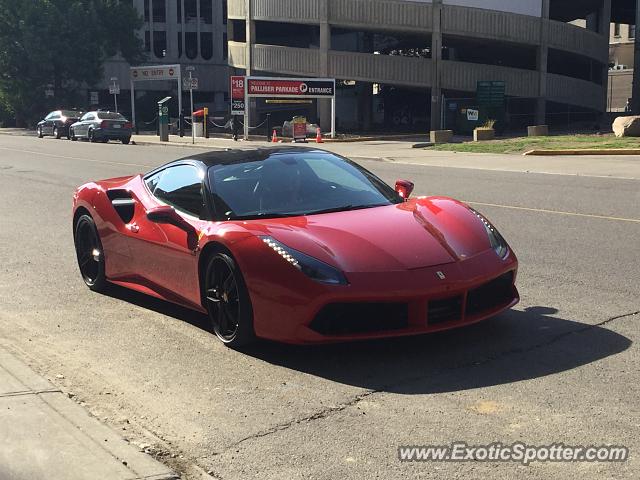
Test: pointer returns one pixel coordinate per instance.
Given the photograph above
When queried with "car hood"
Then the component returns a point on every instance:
(420, 233)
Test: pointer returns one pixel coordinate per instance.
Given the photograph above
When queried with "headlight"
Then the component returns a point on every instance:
(498, 244)
(311, 267)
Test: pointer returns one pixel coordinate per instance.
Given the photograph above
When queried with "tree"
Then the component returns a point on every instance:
(62, 44)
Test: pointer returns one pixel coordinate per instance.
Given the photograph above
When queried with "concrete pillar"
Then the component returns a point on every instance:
(151, 28)
(198, 20)
(182, 26)
(324, 106)
(542, 61)
(605, 27)
(250, 35)
(436, 62)
(171, 32)
(635, 94)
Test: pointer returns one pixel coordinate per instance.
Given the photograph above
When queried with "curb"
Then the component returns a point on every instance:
(48, 435)
(586, 151)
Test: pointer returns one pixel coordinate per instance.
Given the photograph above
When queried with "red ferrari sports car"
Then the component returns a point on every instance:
(293, 244)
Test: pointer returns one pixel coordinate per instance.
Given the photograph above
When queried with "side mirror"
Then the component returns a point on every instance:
(168, 215)
(404, 188)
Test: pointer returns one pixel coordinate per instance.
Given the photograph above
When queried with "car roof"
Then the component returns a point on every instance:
(231, 156)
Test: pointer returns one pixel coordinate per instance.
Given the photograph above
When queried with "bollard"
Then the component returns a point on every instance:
(268, 126)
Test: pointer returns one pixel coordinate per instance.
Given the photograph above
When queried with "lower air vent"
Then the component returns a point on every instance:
(354, 318)
(447, 310)
(489, 296)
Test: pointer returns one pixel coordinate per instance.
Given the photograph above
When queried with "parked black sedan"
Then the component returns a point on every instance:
(57, 123)
(102, 126)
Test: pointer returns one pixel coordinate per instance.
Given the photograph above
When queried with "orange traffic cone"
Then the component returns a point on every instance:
(274, 137)
(319, 136)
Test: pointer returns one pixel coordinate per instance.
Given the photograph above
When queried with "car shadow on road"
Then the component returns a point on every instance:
(515, 346)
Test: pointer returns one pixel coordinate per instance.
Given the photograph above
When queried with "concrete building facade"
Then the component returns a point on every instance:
(431, 48)
(187, 32)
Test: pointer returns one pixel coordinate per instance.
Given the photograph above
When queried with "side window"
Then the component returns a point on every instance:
(50, 116)
(152, 181)
(55, 115)
(85, 117)
(181, 187)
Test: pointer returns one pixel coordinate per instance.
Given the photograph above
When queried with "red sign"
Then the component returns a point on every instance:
(237, 95)
(289, 87)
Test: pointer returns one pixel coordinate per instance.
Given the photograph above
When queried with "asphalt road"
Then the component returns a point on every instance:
(563, 366)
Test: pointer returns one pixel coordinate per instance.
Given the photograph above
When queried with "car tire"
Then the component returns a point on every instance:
(39, 130)
(105, 140)
(227, 301)
(72, 135)
(89, 253)
(91, 136)
(125, 141)
(56, 133)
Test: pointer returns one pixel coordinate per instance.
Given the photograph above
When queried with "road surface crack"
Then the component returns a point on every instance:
(330, 411)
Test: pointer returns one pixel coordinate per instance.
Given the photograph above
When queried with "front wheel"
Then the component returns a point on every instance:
(92, 136)
(56, 133)
(72, 135)
(90, 254)
(39, 130)
(228, 302)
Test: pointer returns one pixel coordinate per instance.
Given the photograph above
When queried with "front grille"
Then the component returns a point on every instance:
(447, 310)
(489, 296)
(353, 318)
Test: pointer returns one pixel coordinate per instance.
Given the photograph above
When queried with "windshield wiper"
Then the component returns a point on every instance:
(345, 208)
(260, 216)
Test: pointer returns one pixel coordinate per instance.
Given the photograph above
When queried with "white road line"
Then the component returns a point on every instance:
(76, 158)
(557, 212)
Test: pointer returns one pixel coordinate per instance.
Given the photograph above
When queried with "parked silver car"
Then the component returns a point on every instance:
(102, 126)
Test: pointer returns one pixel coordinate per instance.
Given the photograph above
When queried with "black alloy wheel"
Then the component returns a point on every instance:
(89, 253)
(228, 302)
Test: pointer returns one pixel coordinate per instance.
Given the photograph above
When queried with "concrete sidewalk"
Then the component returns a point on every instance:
(403, 152)
(46, 435)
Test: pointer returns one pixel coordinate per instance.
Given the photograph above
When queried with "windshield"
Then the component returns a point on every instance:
(291, 184)
(110, 116)
(71, 113)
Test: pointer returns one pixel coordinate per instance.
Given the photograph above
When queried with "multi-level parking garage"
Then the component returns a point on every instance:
(412, 53)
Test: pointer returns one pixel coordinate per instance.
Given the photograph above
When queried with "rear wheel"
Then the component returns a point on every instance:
(90, 254)
(126, 141)
(228, 302)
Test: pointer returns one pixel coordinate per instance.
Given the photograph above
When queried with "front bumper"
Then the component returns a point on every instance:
(388, 304)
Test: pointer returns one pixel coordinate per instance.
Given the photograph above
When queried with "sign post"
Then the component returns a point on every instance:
(154, 72)
(301, 88)
(191, 83)
(114, 89)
